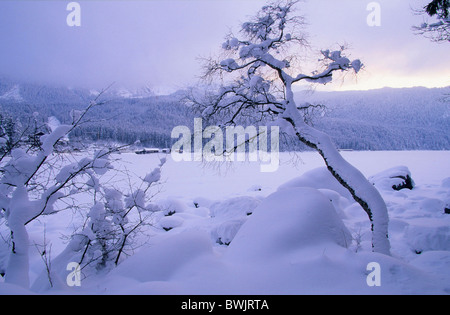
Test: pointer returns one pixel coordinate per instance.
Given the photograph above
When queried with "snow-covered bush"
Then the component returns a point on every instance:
(231, 214)
(114, 221)
(237, 207)
(31, 183)
(224, 233)
(40, 182)
(396, 178)
(167, 223)
(170, 206)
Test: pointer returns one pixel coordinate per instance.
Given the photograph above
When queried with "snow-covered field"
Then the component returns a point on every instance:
(236, 230)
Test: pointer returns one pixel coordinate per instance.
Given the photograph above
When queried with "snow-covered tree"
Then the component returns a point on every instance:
(256, 78)
(439, 30)
(27, 193)
(114, 220)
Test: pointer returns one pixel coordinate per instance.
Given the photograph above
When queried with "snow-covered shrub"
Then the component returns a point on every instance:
(31, 183)
(233, 208)
(202, 202)
(170, 206)
(255, 188)
(231, 215)
(224, 233)
(395, 178)
(36, 182)
(114, 221)
(167, 223)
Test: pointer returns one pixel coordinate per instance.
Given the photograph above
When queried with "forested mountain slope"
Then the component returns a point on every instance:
(386, 119)
(383, 119)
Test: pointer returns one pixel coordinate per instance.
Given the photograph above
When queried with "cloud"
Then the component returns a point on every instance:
(157, 43)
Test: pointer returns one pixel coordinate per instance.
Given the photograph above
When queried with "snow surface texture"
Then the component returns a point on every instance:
(291, 232)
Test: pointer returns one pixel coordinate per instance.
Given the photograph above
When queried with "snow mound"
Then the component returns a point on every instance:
(200, 212)
(290, 219)
(162, 260)
(256, 188)
(428, 234)
(432, 205)
(169, 222)
(11, 289)
(202, 202)
(234, 207)
(225, 232)
(340, 203)
(434, 262)
(171, 206)
(319, 178)
(229, 216)
(396, 178)
(446, 182)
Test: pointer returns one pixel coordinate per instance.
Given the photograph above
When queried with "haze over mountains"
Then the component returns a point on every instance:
(384, 119)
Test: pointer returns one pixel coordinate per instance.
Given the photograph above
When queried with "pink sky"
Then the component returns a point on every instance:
(157, 43)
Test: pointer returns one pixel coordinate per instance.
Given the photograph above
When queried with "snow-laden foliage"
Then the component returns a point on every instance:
(25, 195)
(439, 29)
(36, 181)
(113, 222)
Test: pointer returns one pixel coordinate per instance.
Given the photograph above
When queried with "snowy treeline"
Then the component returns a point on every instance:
(125, 120)
(358, 120)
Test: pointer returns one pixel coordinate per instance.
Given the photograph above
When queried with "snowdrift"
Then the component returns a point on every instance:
(305, 236)
(287, 221)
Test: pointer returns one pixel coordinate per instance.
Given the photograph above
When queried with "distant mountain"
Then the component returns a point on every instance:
(384, 119)
(126, 116)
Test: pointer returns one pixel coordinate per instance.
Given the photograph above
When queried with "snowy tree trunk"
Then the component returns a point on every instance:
(346, 174)
(18, 264)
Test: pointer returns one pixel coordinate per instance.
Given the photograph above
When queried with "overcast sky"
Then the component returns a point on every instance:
(157, 43)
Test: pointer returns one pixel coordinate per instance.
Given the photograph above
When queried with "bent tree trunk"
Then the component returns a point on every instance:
(18, 264)
(362, 191)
